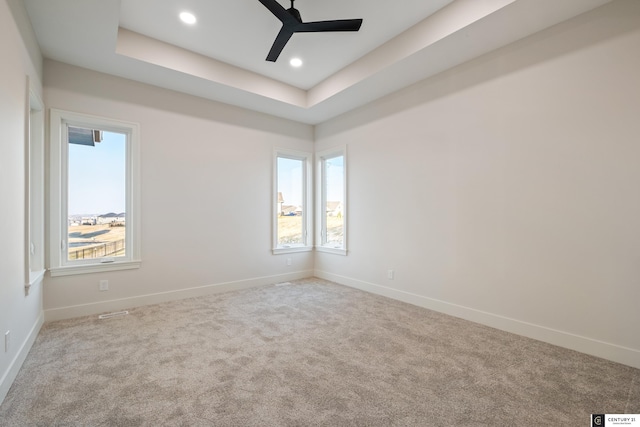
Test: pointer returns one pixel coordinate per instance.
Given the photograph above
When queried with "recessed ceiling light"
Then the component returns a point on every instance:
(295, 62)
(188, 18)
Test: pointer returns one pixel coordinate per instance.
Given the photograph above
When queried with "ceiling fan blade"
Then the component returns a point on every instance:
(281, 40)
(279, 11)
(337, 25)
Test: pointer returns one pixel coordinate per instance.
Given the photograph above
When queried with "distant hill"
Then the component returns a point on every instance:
(111, 215)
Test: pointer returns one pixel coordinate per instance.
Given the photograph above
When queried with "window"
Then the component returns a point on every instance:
(331, 195)
(292, 192)
(34, 242)
(94, 194)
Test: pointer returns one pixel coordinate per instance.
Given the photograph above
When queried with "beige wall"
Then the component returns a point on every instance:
(506, 190)
(20, 314)
(206, 193)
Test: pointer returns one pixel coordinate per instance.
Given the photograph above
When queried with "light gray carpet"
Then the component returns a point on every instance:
(312, 353)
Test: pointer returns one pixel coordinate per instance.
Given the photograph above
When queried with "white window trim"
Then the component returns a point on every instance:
(59, 265)
(35, 189)
(307, 209)
(321, 213)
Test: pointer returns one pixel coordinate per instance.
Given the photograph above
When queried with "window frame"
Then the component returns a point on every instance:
(60, 265)
(34, 189)
(321, 201)
(307, 201)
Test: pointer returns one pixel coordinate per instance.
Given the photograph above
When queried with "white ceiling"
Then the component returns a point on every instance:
(222, 56)
(241, 32)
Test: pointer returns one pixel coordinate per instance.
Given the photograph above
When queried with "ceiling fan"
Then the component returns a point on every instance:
(292, 23)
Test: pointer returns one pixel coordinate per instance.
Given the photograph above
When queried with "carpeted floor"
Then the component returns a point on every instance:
(309, 353)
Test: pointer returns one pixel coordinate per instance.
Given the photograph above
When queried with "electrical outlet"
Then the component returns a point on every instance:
(390, 274)
(7, 341)
(104, 285)
(288, 261)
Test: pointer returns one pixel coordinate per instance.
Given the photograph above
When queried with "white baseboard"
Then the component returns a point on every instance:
(613, 352)
(90, 309)
(15, 365)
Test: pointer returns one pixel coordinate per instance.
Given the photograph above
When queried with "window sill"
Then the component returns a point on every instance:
(330, 250)
(69, 270)
(292, 249)
(35, 277)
